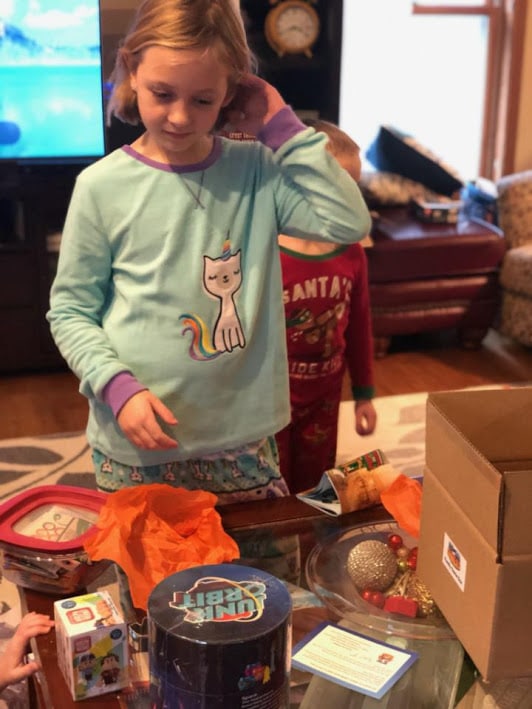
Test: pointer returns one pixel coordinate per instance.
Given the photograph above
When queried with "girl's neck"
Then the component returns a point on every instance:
(148, 148)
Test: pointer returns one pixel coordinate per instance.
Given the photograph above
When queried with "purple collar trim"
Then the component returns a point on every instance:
(193, 167)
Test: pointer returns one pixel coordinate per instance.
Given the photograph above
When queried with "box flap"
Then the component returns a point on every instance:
(472, 438)
(467, 476)
(515, 513)
(495, 421)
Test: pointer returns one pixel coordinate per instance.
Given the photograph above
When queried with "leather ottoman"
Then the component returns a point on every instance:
(426, 277)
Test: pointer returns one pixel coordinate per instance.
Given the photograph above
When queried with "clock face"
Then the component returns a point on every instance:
(292, 27)
(296, 28)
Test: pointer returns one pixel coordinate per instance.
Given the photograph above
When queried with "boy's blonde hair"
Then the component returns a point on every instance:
(340, 144)
(178, 24)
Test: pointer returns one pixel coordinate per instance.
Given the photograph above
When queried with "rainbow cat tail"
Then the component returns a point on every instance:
(200, 347)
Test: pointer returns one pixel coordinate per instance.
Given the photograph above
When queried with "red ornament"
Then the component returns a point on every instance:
(401, 605)
(395, 541)
(411, 562)
(411, 559)
(377, 599)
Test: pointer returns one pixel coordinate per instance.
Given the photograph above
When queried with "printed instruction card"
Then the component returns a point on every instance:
(352, 660)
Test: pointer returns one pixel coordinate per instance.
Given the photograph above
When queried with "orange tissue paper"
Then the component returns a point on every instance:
(155, 530)
(403, 499)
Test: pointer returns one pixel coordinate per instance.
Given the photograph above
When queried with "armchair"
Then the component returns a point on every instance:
(515, 219)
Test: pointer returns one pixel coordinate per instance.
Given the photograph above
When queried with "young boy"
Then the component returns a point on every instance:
(328, 326)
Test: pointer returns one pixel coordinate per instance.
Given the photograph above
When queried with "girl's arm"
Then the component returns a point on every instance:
(315, 197)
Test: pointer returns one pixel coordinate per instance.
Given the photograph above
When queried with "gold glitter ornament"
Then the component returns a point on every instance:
(371, 565)
(416, 589)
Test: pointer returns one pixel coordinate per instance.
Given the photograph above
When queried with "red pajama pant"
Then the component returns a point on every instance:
(307, 446)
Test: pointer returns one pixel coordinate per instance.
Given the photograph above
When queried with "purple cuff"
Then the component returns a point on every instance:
(120, 389)
(283, 126)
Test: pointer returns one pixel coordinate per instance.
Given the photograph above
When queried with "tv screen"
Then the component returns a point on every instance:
(51, 103)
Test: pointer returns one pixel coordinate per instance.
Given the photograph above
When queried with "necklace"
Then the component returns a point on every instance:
(195, 197)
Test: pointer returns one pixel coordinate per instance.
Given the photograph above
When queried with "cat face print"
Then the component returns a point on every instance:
(222, 276)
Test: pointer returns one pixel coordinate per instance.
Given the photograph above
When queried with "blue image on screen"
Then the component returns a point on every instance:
(51, 103)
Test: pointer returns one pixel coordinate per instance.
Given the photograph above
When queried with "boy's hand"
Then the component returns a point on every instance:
(12, 666)
(365, 417)
(138, 421)
(255, 102)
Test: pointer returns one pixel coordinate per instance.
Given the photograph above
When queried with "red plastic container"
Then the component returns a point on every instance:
(42, 531)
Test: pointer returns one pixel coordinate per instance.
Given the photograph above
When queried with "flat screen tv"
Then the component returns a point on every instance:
(51, 102)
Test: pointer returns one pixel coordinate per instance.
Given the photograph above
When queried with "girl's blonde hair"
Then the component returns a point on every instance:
(178, 24)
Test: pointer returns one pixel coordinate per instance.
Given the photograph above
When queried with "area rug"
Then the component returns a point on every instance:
(400, 431)
(44, 460)
(65, 458)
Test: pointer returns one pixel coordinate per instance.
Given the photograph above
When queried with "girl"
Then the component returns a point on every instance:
(167, 303)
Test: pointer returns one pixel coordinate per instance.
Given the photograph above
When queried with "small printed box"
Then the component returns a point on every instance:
(92, 644)
(444, 212)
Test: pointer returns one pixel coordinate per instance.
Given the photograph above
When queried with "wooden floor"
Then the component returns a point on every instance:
(47, 403)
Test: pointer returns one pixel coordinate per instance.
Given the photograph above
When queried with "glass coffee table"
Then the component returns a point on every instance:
(276, 536)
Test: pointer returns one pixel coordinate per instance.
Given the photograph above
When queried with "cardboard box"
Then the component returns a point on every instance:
(475, 547)
(92, 644)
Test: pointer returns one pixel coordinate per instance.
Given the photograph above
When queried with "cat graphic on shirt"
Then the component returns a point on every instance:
(222, 278)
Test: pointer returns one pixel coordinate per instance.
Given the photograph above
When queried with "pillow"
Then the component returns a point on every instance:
(393, 151)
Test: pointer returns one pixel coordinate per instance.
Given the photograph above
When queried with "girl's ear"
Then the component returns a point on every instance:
(133, 80)
(229, 96)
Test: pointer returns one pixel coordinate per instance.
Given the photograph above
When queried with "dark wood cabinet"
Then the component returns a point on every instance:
(309, 84)
(33, 204)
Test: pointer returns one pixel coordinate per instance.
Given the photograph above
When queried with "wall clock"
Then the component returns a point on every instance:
(292, 27)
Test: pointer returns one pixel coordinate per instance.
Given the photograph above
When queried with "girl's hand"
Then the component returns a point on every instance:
(365, 417)
(12, 666)
(255, 102)
(138, 421)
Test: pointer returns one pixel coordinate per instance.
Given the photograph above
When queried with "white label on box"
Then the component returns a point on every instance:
(454, 561)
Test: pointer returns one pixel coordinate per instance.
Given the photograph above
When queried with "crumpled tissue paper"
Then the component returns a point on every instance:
(153, 531)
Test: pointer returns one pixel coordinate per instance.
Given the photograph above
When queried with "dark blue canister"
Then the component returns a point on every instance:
(220, 636)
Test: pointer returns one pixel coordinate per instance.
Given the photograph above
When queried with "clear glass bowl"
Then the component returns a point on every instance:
(328, 578)
(432, 681)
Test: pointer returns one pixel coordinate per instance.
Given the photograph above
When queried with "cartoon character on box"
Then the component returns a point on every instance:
(255, 673)
(110, 672)
(86, 666)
